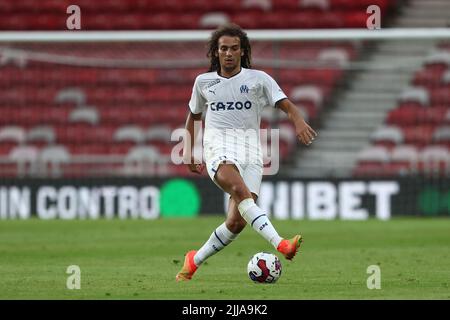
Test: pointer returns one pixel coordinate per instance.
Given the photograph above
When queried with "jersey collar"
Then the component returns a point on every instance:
(237, 74)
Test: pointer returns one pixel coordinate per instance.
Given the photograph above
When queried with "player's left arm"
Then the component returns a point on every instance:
(303, 131)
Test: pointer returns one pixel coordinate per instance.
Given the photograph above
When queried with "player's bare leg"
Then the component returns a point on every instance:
(230, 180)
(235, 222)
(221, 237)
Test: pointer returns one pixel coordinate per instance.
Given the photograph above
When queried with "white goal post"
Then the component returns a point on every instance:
(199, 35)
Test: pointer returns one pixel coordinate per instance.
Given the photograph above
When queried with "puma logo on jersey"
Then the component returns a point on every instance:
(231, 105)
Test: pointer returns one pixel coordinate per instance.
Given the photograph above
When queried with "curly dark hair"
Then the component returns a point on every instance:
(232, 30)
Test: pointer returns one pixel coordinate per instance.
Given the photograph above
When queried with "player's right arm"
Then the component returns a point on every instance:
(189, 142)
(196, 108)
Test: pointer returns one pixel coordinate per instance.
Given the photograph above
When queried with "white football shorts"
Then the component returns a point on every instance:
(251, 172)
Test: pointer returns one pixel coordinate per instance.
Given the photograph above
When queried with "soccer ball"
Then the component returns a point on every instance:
(264, 267)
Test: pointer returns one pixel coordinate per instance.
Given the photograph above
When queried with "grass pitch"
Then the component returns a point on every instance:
(138, 259)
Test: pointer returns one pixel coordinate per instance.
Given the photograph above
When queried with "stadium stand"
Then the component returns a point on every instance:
(99, 111)
(417, 129)
(197, 14)
(400, 85)
(101, 114)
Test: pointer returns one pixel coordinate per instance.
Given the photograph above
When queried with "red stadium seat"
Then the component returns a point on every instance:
(429, 77)
(387, 136)
(405, 159)
(355, 19)
(418, 135)
(434, 160)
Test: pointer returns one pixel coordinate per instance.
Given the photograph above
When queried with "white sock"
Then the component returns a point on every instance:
(258, 219)
(216, 242)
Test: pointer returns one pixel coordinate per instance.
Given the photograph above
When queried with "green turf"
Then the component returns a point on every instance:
(138, 259)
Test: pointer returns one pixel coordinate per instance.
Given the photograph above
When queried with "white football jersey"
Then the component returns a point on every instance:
(233, 104)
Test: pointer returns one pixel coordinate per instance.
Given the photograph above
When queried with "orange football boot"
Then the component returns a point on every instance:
(189, 267)
(289, 247)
